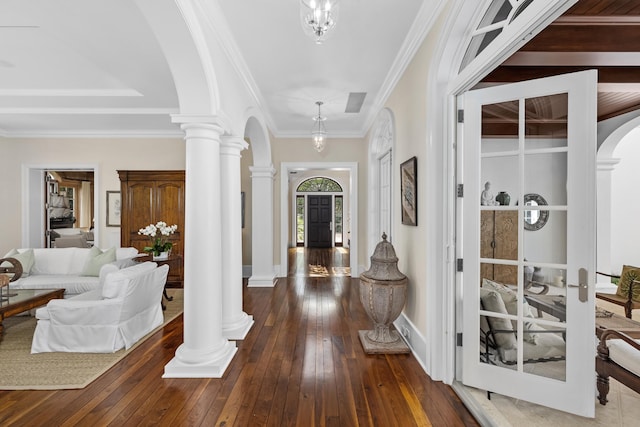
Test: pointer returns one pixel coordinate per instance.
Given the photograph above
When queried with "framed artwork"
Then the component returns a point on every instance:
(114, 208)
(409, 191)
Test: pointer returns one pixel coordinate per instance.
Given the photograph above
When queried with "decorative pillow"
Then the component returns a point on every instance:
(510, 299)
(96, 260)
(491, 301)
(629, 274)
(26, 258)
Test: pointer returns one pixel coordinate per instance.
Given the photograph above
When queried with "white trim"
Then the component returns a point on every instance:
(443, 86)
(105, 133)
(285, 212)
(423, 23)
(414, 339)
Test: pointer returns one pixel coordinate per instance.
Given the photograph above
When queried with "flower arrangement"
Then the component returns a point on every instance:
(158, 234)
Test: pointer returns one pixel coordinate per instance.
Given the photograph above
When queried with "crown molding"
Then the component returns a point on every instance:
(215, 19)
(91, 111)
(95, 134)
(423, 23)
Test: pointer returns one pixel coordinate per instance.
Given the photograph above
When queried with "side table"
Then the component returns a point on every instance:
(160, 262)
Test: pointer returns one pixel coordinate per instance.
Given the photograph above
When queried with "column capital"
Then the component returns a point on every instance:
(262, 171)
(607, 164)
(232, 145)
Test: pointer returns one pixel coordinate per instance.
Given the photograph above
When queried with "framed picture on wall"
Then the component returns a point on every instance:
(114, 208)
(409, 191)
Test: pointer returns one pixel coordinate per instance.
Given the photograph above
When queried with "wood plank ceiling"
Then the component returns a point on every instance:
(600, 34)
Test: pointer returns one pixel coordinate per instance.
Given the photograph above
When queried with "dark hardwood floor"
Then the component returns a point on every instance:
(300, 365)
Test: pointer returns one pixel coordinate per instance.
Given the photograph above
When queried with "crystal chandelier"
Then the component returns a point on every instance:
(319, 133)
(318, 17)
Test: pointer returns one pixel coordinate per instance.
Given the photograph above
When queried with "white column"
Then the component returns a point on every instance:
(603, 218)
(235, 322)
(262, 274)
(205, 353)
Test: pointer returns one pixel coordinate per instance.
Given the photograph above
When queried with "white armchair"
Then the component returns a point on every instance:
(126, 308)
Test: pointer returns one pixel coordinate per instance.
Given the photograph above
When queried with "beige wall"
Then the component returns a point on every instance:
(109, 155)
(408, 102)
(300, 150)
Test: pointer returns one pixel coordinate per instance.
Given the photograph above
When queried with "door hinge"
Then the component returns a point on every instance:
(460, 190)
(459, 265)
(460, 116)
(459, 339)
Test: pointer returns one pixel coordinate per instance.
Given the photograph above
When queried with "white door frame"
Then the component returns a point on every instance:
(285, 212)
(445, 84)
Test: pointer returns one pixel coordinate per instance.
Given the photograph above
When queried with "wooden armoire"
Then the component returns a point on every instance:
(149, 197)
(499, 240)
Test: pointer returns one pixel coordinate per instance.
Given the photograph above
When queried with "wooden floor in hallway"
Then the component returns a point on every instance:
(301, 364)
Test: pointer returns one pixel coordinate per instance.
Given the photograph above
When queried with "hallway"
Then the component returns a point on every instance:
(301, 364)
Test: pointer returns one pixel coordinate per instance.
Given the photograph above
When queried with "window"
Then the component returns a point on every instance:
(299, 220)
(319, 184)
(338, 218)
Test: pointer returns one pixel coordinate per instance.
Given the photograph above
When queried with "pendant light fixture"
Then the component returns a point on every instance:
(318, 17)
(319, 132)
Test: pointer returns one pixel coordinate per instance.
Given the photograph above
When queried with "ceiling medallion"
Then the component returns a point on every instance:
(318, 17)
(319, 132)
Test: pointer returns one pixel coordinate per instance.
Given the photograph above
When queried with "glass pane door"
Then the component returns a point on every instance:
(527, 230)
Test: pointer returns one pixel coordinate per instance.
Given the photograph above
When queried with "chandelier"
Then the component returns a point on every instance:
(319, 133)
(318, 17)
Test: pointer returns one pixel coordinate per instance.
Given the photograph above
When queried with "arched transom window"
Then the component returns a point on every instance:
(318, 184)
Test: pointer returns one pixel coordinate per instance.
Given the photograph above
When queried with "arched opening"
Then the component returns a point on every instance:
(616, 159)
(258, 189)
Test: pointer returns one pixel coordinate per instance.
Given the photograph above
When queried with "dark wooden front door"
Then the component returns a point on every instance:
(319, 221)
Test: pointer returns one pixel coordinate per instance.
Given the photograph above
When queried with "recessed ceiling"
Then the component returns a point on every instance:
(92, 68)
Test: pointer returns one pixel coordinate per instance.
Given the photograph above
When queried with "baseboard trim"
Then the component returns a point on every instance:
(246, 271)
(262, 282)
(413, 338)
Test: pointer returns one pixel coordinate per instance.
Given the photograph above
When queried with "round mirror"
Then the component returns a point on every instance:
(535, 219)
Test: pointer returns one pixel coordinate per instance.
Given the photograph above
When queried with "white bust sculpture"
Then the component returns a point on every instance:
(487, 198)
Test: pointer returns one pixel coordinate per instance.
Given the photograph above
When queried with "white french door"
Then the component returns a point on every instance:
(536, 142)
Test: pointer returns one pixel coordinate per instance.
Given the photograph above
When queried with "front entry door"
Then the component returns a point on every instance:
(319, 220)
(528, 212)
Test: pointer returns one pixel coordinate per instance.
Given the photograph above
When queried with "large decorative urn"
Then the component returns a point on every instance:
(383, 291)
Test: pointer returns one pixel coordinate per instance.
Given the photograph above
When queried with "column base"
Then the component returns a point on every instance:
(213, 368)
(238, 330)
(262, 281)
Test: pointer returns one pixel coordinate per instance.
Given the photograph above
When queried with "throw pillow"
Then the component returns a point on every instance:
(510, 299)
(26, 258)
(502, 329)
(629, 274)
(96, 260)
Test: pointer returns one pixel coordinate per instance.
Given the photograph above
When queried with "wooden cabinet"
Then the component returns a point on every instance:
(499, 240)
(149, 197)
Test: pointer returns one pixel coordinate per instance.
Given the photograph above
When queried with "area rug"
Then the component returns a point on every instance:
(21, 370)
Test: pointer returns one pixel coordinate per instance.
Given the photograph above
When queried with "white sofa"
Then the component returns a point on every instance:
(125, 309)
(77, 270)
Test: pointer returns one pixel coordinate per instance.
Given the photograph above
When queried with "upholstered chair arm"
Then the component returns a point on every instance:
(603, 349)
(79, 312)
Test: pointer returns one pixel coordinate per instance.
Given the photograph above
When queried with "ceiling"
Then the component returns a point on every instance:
(94, 68)
(601, 34)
